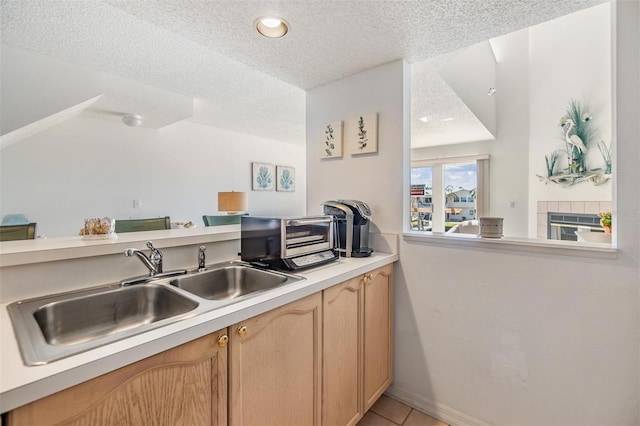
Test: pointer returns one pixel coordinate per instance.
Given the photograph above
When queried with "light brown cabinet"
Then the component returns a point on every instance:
(325, 359)
(378, 340)
(342, 359)
(274, 366)
(186, 385)
(357, 345)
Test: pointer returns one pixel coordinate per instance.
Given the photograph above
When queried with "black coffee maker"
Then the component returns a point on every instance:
(351, 227)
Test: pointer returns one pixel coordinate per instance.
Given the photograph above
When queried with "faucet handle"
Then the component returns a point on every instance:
(155, 257)
(201, 258)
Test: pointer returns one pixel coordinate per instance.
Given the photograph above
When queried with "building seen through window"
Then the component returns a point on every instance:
(454, 200)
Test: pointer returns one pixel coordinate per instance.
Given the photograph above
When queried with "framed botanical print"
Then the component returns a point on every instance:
(285, 178)
(362, 134)
(331, 140)
(263, 177)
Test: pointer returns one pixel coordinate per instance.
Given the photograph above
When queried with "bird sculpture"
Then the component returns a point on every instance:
(573, 140)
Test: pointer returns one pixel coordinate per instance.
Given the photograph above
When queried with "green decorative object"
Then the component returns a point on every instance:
(605, 221)
(362, 134)
(329, 142)
(331, 146)
(606, 156)
(551, 161)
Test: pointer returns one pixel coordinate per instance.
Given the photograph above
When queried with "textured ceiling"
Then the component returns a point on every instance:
(447, 119)
(209, 50)
(331, 39)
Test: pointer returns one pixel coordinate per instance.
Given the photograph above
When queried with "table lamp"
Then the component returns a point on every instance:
(232, 202)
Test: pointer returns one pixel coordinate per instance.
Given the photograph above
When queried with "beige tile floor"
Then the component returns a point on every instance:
(389, 412)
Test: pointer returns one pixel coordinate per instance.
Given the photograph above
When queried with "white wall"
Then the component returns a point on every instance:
(509, 156)
(86, 167)
(519, 337)
(569, 59)
(372, 178)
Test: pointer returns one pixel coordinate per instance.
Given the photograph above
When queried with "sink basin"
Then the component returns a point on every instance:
(54, 327)
(80, 319)
(231, 281)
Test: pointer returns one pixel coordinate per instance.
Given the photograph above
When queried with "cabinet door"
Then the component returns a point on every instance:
(274, 366)
(342, 354)
(378, 315)
(182, 386)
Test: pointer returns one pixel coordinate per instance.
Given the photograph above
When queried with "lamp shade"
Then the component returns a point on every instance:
(232, 202)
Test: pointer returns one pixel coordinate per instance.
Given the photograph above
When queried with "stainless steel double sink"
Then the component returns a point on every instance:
(60, 325)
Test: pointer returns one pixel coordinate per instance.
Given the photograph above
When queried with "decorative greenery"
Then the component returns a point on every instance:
(264, 178)
(362, 134)
(578, 135)
(551, 161)
(606, 156)
(329, 142)
(605, 218)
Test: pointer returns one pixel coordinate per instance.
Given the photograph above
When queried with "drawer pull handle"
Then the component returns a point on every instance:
(242, 330)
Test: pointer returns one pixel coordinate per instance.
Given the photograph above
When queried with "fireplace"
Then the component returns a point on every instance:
(563, 226)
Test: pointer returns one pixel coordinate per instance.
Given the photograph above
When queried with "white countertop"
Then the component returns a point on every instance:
(20, 384)
(51, 249)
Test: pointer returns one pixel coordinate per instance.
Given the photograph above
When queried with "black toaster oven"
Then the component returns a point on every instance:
(287, 242)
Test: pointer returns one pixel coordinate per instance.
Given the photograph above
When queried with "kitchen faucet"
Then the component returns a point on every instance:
(153, 262)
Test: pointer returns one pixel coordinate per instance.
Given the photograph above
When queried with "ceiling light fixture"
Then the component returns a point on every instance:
(272, 27)
(448, 119)
(132, 120)
(424, 119)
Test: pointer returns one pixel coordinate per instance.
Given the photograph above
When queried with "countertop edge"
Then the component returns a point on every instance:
(37, 382)
(54, 249)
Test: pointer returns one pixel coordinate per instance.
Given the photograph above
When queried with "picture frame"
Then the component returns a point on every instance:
(362, 134)
(263, 177)
(285, 179)
(331, 140)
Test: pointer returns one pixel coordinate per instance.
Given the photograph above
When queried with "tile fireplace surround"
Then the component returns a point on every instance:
(590, 207)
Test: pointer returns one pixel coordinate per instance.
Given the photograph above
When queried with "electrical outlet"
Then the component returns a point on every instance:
(137, 204)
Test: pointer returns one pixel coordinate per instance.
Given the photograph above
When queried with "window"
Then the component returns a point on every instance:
(421, 199)
(456, 190)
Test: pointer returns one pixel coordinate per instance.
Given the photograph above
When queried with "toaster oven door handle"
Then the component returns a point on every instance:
(300, 222)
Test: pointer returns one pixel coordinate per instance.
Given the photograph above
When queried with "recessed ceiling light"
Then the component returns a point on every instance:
(448, 119)
(424, 119)
(272, 27)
